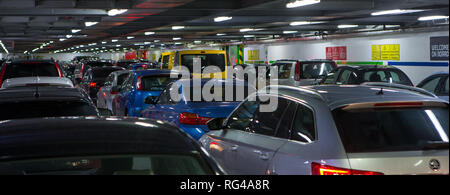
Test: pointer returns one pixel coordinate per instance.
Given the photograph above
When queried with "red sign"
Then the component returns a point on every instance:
(130, 55)
(337, 53)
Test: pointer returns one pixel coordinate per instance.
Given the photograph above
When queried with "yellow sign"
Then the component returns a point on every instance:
(253, 55)
(386, 52)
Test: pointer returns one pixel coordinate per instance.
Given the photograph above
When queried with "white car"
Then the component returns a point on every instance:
(37, 81)
(106, 94)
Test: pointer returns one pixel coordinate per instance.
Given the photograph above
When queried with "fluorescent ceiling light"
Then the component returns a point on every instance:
(298, 23)
(426, 18)
(149, 33)
(289, 32)
(394, 12)
(221, 34)
(222, 18)
(249, 36)
(75, 30)
(197, 42)
(114, 40)
(156, 41)
(68, 36)
(62, 39)
(104, 42)
(177, 27)
(176, 38)
(299, 3)
(118, 45)
(130, 37)
(90, 23)
(246, 30)
(114, 12)
(347, 26)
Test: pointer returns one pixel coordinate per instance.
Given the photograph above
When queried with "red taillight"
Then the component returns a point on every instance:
(139, 83)
(319, 169)
(297, 71)
(192, 119)
(399, 104)
(59, 70)
(93, 85)
(335, 64)
(2, 75)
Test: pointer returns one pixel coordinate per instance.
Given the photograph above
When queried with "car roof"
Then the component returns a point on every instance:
(369, 67)
(18, 94)
(336, 96)
(23, 81)
(83, 136)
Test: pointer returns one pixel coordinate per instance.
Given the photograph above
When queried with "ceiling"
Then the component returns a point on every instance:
(25, 25)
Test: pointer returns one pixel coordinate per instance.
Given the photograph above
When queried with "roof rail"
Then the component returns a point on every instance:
(399, 86)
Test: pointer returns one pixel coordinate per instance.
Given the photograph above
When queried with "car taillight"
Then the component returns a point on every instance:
(59, 70)
(297, 71)
(319, 169)
(2, 75)
(192, 119)
(93, 85)
(139, 83)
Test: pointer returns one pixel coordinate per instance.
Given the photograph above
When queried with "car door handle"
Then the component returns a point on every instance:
(234, 148)
(262, 156)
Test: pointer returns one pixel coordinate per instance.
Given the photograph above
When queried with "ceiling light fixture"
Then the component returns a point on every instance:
(298, 23)
(177, 27)
(176, 38)
(299, 3)
(290, 32)
(130, 37)
(114, 12)
(221, 34)
(347, 26)
(90, 23)
(149, 33)
(222, 18)
(395, 12)
(75, 30)
(114, 40)
(427, 18)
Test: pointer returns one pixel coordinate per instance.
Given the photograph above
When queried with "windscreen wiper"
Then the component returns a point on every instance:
(435, 145)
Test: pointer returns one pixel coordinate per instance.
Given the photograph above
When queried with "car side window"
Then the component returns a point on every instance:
(343, 77)
(285, 128)
(266, 123)
(443, 89)
(164, 96)
(240, 119)
(432, 84)
(304, 125)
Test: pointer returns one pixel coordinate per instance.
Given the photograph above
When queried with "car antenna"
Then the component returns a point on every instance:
(381, 92)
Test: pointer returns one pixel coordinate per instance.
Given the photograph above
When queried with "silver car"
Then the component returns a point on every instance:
(37, 81)
(302, 73)
(335, 130)
(438, 84)
(109, 90)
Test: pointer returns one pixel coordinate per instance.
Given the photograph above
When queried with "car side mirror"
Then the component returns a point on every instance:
(151, 100)
(215, 124)
(104, 112)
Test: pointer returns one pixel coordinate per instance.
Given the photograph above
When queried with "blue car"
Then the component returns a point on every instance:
(189, 114)
(136, 88)
(139, 66)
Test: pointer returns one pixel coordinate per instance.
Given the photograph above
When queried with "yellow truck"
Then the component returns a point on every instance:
(186, 58)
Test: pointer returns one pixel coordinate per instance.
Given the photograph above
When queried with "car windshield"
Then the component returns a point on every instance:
(397, 129)
(155, 83)
(205, 60)
(387, 76)
(314, 70)
(41, 109)
(30, 69)
(110, 165)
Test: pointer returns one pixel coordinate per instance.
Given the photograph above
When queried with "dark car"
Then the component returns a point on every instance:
(29, 68)
(95, 78)
(126, 63)
(437, 83)
(84, 66)
(44, 101)
(356, 75)
(95, 146)
(302, 73)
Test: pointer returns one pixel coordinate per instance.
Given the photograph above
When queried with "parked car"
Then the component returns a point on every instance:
(100, 146)
(139, 85)
(334, 130)
(253, 72)
(191, 114)
(356, 75)
(126, 63)
(37, 81)
(84, 66)
(29, 68)
(45, 101)
(139, 66)
(106, 95)
(437, 84)
(95, 78)
(302, 73)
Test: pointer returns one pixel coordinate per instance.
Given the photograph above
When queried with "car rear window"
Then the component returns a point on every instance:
(30, 69)
(396, 129)
(314, 70)
(111, 165)
(206, 60)
(387, 76)
(155, 83)
(41, 109)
